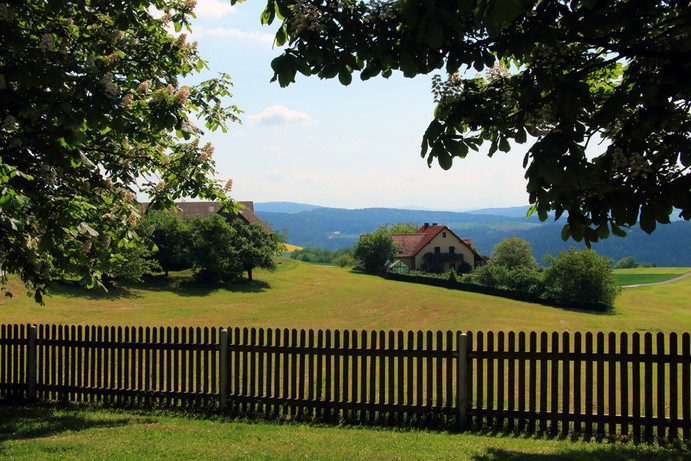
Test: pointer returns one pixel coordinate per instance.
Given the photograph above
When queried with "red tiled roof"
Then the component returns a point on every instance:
(412, 244)
(207, 209)
(407, 243)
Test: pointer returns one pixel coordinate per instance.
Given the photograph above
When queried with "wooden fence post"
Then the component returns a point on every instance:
(462, 381)
(31, 364)
(223, 371)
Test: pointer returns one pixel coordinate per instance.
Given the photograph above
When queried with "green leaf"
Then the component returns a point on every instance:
(565, 232)
(531, 211)
(407, 64)
(647, 220)
(76, 160)
(618, 231)
(455, 148)
(521, 136)
(445, 160)
(504, 145)
(281, 36)
(345, 77)
(435, 35)
(268, 15)
(685, 157)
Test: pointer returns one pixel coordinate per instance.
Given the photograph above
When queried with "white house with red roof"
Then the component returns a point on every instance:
(436, 249)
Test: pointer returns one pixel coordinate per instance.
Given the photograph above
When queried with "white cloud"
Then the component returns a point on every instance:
(213, 8)
(276, 176)
(279, 115)
(273, 149)
(225, 32)
(238, 133)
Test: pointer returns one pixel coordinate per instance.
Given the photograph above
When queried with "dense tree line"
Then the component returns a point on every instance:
(669, 245)
(341, 258)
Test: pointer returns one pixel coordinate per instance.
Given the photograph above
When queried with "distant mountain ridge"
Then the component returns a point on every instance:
(337, 228)
(283, 207)
(294, 207)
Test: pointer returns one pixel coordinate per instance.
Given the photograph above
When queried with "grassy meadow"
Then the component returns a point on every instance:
(638, 275)
(301, 295)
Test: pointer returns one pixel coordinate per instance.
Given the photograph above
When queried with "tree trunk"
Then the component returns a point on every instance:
(249, 274)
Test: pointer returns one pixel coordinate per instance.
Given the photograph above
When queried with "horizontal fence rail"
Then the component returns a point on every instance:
(633, 386)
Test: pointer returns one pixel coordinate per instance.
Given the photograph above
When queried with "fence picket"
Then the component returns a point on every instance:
(661, 391)
(648, 386)
(686, 385)
(636, 391)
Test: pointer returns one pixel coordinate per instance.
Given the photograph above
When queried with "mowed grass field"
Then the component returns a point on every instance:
(307, 296)
(638, 275)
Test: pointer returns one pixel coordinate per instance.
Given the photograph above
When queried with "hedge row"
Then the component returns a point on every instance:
(492, 291)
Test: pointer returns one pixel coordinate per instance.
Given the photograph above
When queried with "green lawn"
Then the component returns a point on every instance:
(77, 432)
(304, 295)
(647, 274)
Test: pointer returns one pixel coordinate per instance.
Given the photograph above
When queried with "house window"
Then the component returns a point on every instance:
(443, 234)
(452, 250)
(437, 249)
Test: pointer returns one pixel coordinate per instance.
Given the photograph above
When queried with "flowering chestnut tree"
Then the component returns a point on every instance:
(599, 88)
(92, 112)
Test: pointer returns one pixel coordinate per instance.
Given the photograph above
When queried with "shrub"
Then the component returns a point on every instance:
(580, 278)
(452, 275)
(523, 279)
(492, 275)
(626, 263)
(344, 261)
(512, 253)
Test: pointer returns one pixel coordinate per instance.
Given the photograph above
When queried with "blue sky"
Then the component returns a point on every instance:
(319, 142)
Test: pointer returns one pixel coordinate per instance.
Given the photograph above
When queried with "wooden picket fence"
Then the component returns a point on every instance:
(635, 386)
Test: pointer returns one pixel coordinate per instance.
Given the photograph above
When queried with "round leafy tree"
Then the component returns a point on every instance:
(513, 253)
(581, 277)
(373, 250)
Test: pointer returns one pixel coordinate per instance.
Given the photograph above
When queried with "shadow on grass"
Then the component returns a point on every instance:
(22, 422)
(72, 289)
(603, 453)
(185, 286)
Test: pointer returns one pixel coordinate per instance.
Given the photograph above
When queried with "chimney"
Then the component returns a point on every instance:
(426, 225)
(434, 224)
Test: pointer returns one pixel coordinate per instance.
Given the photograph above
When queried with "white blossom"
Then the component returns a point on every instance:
(182, 94)
(144, 86)
(46, 43)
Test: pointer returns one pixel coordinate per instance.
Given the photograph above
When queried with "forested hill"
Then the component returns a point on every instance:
(669, 245)
(337, 228)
